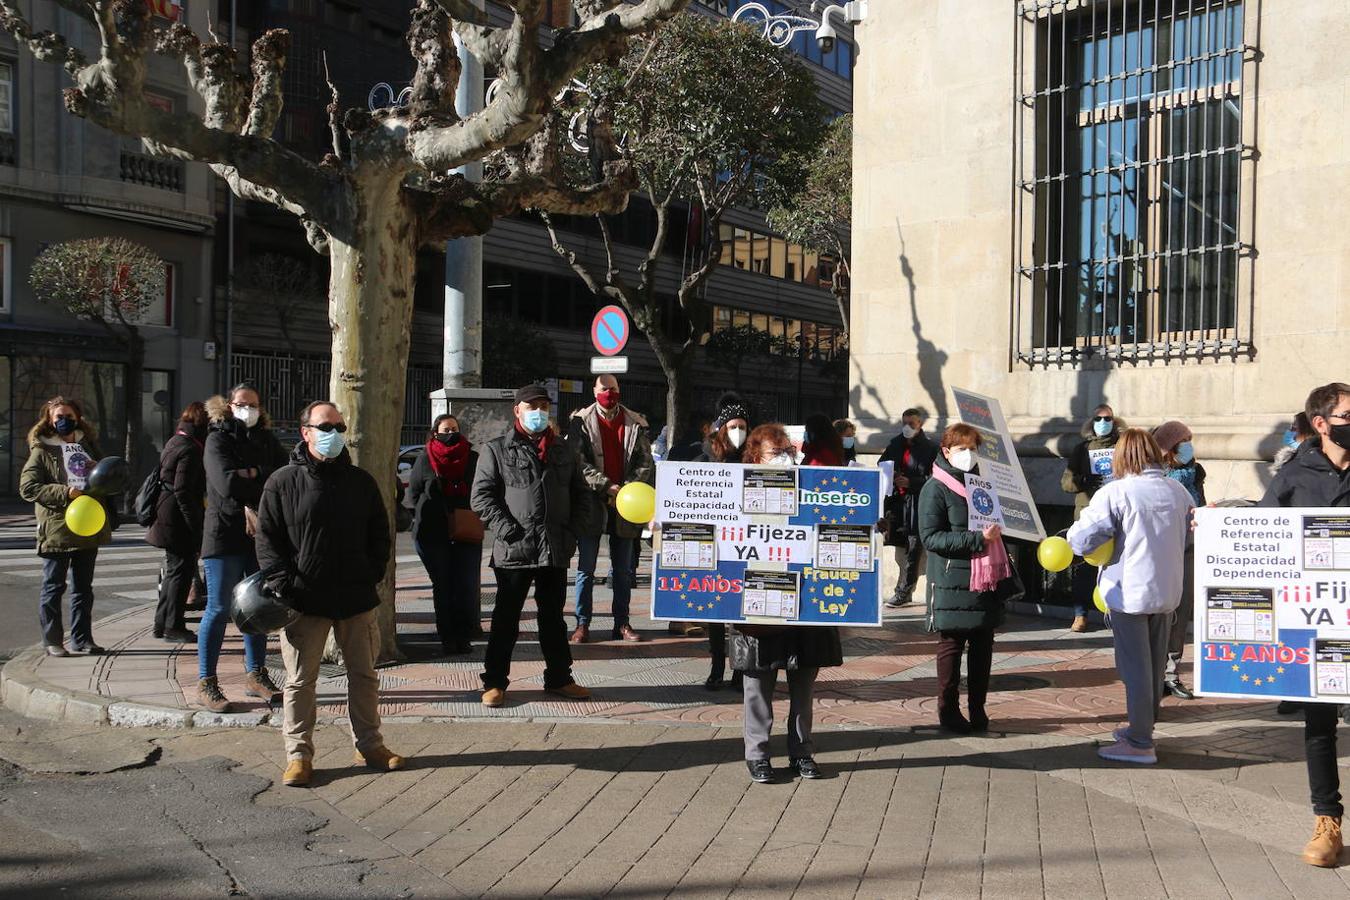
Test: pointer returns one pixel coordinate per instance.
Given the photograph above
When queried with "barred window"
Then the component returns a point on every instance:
(1131, 151)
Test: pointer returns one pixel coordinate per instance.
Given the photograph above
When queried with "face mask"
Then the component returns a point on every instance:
(909, 431)
(1340, 436)
(608, 399)
(246, 414)
(1185, 452)
(534, 420)
(64, 425)
(448, 438)
(1291, 438)
(736, 436)
(963, 459)
(1102, 429)
(780, 459)
(848, 443)
(328, 444)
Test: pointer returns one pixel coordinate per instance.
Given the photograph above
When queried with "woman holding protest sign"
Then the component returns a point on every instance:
(1088, 468)
(1147, 515)
(964, 571)
(759, 651)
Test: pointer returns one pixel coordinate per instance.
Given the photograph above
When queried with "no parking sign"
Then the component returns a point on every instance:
(609, 331)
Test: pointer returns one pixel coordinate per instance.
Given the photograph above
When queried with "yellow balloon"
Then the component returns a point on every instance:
(1102, 555)
(1099, 601)
(636, 502)
(85, 516)
(1054, 554)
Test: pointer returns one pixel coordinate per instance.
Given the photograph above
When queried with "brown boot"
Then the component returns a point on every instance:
(1080, 624)
(259, 684)
(381, 758)
(571, 691)
(210, 697)
(1325, 847)
(297, 773)
(580, 636)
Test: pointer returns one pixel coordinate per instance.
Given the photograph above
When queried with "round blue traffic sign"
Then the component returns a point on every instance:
(609, 331)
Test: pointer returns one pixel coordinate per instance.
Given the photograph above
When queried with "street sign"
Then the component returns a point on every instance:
(609, 365)
(609, 331)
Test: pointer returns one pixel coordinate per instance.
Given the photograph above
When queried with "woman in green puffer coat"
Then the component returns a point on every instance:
(960, 616)
(62, 453)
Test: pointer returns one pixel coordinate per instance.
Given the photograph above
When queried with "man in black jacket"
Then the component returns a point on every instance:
(912, 454)
(534, 501)
(323, 546)
(1319, 475)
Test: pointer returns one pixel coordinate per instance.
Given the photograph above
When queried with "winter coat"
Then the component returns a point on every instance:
(323, 536)
(706, 454)
(583, 436)
(943, 521)
(1078, 477)
(231, 449)
(532, 509)
(431, 507)
(761, 649)
(1309, 479)
(1192, 477)
(902, 509)
(1282, 456)
(1148, 516)
(181, 511)
(43, 484)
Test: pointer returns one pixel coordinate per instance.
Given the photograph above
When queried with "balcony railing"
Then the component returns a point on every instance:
(166, 174)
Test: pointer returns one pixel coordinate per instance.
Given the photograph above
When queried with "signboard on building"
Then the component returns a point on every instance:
(999, 465)
(1272, 603)
(770, 545)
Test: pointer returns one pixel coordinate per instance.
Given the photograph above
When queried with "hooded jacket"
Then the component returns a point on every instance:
(43, 484)
(1309, 479)
(181, 511)
(232, 449)
(323, 536)
(1078, 477)
(583, 435)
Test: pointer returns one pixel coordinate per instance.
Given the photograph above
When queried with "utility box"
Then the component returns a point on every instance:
(483, 413)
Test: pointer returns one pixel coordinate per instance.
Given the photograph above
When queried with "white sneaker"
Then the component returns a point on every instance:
(1123, 751)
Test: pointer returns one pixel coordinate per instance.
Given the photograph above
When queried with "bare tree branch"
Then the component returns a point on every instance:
(334, 110)
(269, 64)
(438, 66)
(46, 46)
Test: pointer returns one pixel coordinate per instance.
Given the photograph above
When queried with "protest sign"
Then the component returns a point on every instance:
(982, 506)
(1272, 603)
(999, 464)
(767, 544)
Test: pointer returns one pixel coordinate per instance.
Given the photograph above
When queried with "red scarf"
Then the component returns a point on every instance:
(819, 456)
(448, 461)
(611, 442)
(541, 441)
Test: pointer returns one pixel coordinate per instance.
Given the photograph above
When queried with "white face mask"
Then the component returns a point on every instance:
(780, 459)
(963, 459)
(246, 414)
(909, 432)
(736, 436)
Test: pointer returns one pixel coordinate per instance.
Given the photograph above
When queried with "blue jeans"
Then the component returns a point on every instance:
(79, 568)
(455, 571)
(222, 574)
(621, 554)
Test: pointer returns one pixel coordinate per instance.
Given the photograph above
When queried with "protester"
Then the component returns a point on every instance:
(323, 547)
(439, 489)
(1319, 475)
(759, 651)
(912, 455)
(848, 439)
(1088, 468)
(532, 497)
(1178, 455)
(1299, 431)
(823, 446)
(63, 448)
(613, 446)
(724, 444)
(241, 452)
(687, 444)
(1147, 515)
(179, 516)
(964, 569)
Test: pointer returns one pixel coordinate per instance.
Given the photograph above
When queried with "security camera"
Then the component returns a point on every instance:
(825, 36)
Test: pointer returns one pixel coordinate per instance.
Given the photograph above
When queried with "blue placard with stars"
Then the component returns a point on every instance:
(742, 543)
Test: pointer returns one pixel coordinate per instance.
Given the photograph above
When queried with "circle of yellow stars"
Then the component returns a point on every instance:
(1257, 682)
(849, 514)
(699, 607)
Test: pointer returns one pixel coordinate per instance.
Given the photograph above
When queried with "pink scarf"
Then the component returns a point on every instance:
(991, 566)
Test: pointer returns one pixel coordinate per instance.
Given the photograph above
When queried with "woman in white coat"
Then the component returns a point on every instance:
(1147, 514)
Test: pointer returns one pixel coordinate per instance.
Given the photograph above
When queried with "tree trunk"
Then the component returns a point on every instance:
(135, 417)
(370, 302)
(676, 366)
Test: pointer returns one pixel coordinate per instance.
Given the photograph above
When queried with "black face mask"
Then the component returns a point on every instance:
(64, 425)
(1340, 436)
(449, 439)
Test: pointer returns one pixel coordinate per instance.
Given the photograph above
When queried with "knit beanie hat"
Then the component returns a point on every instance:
(730, 406)
(1169, 434)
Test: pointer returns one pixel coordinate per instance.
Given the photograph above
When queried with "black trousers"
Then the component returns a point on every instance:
(979, 660)
(513, 586)
(179, 573)
(1319, 746)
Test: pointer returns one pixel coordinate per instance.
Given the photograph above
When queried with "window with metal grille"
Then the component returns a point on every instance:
(1131, 150)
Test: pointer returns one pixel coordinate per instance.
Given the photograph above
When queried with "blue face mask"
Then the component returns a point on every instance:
(848, 443)
(1102, 429)
(64, 425)
(1291, 438)
(328, 444)
(1185, 452)
(534, 420)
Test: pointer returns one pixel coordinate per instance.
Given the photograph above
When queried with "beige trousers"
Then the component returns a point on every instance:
(302, 648)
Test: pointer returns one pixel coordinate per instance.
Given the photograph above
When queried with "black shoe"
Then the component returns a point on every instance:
(736, 681)
(1288, 708)
(954, 723)
(178, 636)
(898, 600)
(979, 721)
(86, 650)
(805, 767)
(1178, 690)
(717, 674)
(761, 770)
(157, 633)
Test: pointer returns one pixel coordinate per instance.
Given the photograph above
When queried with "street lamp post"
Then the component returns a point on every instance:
(462, 359)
